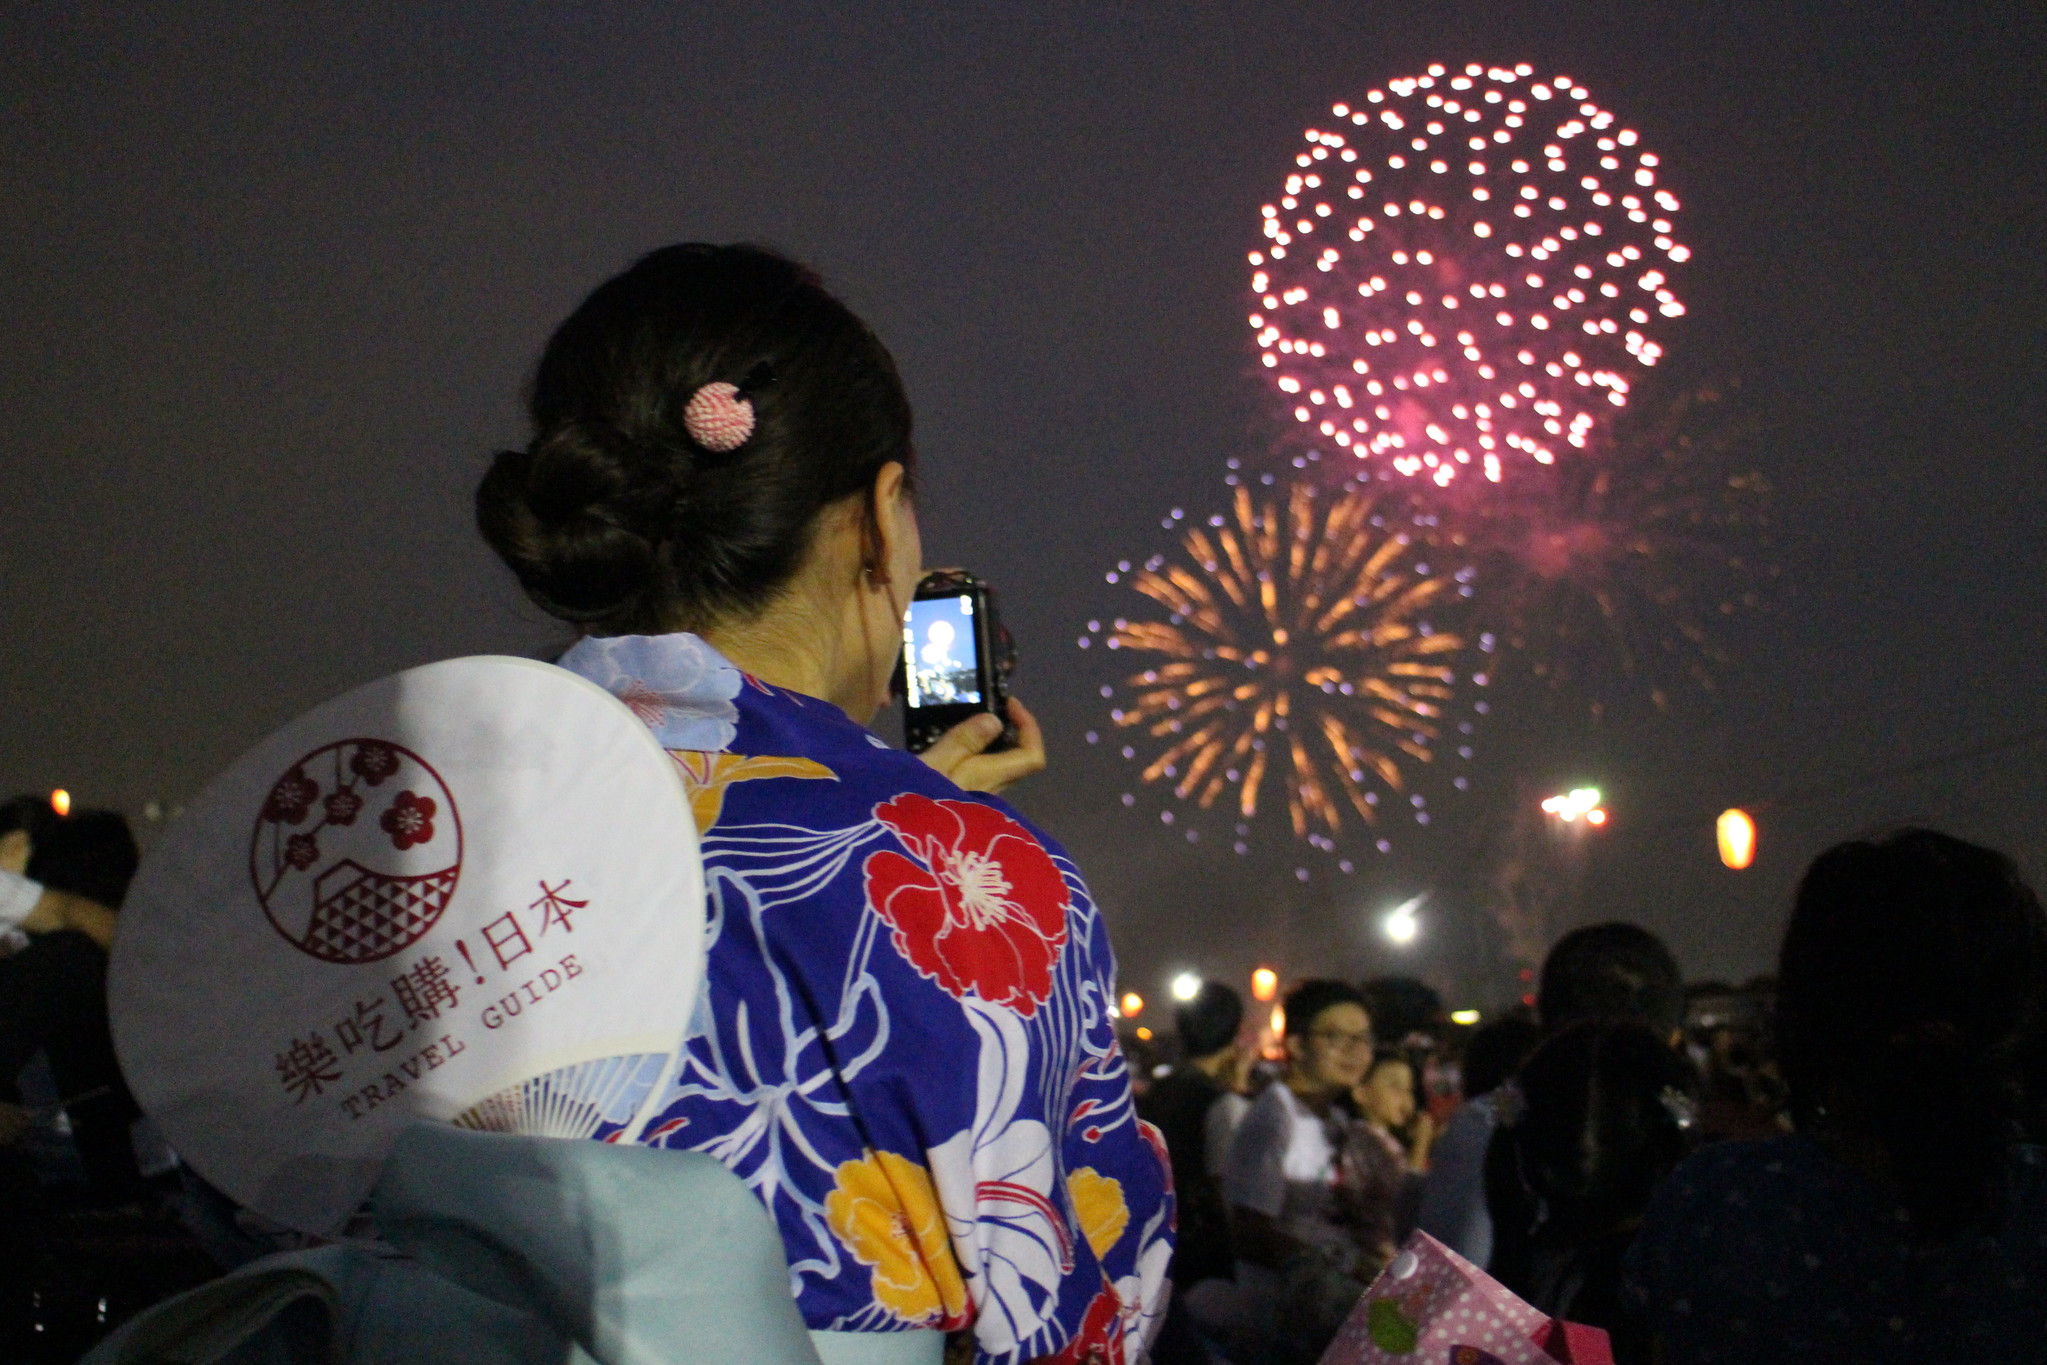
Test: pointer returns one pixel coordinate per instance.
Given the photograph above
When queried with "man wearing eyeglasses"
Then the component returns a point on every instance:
(1311, 1195)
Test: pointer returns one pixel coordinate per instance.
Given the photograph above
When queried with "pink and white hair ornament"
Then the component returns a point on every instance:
(720, 416)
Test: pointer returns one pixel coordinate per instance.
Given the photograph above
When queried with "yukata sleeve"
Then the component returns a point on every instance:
(1119, 1179)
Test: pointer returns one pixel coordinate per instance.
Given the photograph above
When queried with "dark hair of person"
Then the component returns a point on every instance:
(1605, 1109)
(1496, 1051)
(1611, 971)
(613, 518)
(1208, 1023)
(1310, 1000)
(89, 853)
(1909, 1008)
(1401, 1005)
(31, 814)
(1600, 1116)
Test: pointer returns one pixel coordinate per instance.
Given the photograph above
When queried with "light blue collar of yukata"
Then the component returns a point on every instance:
(680, 686)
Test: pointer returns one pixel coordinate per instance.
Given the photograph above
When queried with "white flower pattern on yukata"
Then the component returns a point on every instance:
(681, 687)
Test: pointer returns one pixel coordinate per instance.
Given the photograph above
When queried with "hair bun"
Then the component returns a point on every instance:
(567, 516)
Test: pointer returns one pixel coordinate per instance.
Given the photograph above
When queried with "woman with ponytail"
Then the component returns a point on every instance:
(1906, 1220)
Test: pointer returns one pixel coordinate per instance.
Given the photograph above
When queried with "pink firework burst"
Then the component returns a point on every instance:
(1463, 272)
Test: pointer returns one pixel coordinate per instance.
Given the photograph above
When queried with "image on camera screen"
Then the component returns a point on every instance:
(938, 652)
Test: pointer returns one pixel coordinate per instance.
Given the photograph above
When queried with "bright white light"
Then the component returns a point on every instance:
(1464, 1017)
(1400, 925)
(1186, 986)
(1574, 804)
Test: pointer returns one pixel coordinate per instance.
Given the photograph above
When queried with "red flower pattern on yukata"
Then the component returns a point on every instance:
(409, 821)
(302, 851)
(342, 807)
(1100, 1338)
(291, 798)
(978, 906)
(373, 762)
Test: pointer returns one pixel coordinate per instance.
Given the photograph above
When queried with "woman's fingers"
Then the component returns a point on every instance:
(960, 752)
(961, 743)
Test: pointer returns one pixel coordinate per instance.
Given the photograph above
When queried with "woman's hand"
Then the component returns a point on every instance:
(958, 752)
(1421, 1140)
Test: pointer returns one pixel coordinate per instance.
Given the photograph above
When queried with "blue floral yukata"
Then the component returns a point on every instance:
(903, 1043)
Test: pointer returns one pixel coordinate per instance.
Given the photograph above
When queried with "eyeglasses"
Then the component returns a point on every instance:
(1337, 1040)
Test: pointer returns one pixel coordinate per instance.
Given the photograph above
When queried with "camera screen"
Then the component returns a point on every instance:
(940, 662)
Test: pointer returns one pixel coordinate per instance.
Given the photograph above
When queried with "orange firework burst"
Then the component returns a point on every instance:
(1295, 648)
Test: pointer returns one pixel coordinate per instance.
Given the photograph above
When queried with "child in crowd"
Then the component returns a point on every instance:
(1388, 1102)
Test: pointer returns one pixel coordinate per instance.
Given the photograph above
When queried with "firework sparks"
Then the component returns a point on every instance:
(1620, 570)
(1295, 656)
(1464, 271)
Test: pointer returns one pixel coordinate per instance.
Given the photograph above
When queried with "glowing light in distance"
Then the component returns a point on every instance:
(1186, 986)
(1132, 1004)
(1400, 925)
(1736, 834)
(1265, 985)
(1595, 816)
(60, 801)
(1464, 1017)
(1577, 804)
(1144, 1035)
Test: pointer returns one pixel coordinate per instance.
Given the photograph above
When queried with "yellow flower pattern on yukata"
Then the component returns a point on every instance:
(706, 776)
(1098, 1202)
(885, 1210)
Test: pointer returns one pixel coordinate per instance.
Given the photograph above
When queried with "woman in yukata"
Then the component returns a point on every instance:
(903, 1044)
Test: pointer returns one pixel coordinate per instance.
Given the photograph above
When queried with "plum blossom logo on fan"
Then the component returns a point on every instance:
(347, 889)
(978, 906)
(409, 821)
(679, 687)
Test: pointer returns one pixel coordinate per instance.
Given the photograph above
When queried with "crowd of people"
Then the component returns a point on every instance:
(90, 1197)
(718, 500)
(1835, 1164)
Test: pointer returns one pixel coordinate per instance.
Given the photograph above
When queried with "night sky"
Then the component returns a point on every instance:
(273, 278)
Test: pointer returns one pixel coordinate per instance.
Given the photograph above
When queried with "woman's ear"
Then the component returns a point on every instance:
(894, 550)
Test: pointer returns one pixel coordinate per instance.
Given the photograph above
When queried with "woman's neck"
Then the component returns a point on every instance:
(835, 629)
(783, 652)
(806, 642)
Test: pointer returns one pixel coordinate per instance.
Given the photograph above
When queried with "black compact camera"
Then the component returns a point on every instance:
(957, 658)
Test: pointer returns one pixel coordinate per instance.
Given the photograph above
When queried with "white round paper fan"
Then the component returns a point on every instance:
(469, 892)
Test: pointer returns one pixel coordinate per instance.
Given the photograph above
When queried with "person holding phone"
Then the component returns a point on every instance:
(903, 1045)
